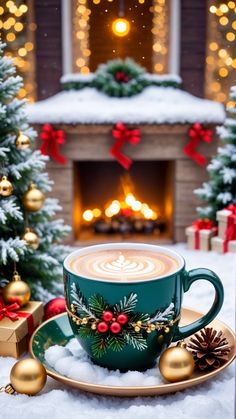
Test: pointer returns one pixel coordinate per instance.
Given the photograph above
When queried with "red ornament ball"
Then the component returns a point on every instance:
(115, 327)
(107, 316)
(122, 318)
(102, 327)
(54, 307)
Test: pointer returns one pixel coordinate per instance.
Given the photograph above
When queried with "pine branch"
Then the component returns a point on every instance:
(97, 304)
(135, 339)
(85, 331)
(115, 343)
(99, 346)
(127, 305)
(80, 302)
(163, 316)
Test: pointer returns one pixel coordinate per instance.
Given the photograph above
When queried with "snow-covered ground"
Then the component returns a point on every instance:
(155, 105)
(214, 399)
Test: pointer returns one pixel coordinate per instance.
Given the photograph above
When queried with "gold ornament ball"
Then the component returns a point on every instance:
(176, 364)
(22, 141)
(16, 291)
(6, 187)
(28, 376)
(33, 199)
(31, 238)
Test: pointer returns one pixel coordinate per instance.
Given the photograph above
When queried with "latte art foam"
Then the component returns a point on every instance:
(126, 264)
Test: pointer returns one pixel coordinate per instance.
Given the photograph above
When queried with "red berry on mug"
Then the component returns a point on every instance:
(115, 327)
(102, 327)
(122, 318)
(107, 316)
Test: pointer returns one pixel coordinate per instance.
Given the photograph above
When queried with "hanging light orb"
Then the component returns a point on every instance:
(121, 27)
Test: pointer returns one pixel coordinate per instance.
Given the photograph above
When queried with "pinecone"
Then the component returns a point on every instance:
(209, 349)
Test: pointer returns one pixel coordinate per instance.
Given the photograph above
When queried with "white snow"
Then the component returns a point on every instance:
(155, 105)
(213, 399)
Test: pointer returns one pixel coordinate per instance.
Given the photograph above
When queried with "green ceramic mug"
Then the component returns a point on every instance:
(126, 324)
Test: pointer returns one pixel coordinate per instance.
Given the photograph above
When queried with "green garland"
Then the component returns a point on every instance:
(133, 330)
(120, 78)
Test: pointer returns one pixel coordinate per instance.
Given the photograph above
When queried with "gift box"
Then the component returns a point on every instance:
(227, 223)
(223, 246)
(199, 235)
(16, 326)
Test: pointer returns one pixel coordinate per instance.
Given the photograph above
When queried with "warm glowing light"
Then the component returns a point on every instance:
(234, 24)
(222, 53)
(213, 9)
(213, 46)
(159, 67)
(148, 214)
(1, 10)
(29, 46)
(224, 20)
(84, 69)
(215, 86)
(18, 27)
(11, 37)
(223, 72)
(230, 36)
(22, 52)
(228, 61)
(88, 215)
(234, 63)
(115, 207)
(231, 4)
(121, 27)
(137, 205)
(23, 8)
(224, 8)
(130, 199)
(108, 212)
(97, 212)
(80, 62)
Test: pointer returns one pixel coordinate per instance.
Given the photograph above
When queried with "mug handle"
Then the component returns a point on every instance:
(189, 278)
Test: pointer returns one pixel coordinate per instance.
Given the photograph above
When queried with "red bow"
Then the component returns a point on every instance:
(196, 133)
(203, 224)
(51, 140)
(230, 232)
(9, 311)
(123, 135)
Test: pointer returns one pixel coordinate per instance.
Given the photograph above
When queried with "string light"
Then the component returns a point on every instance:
(81, 51)
(220, 60)
(17, 29)
(160, 35)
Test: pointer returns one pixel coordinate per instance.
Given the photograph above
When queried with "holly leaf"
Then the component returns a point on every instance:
(97, 304)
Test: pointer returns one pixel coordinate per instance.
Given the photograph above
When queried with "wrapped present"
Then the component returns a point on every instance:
(199, 234)
(227, 223)
(223, 246)
(16, 326)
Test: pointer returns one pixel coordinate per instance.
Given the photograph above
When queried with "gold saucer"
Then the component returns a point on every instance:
(57, 331)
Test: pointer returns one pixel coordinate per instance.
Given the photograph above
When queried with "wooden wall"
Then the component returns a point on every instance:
(49, 50)
(48, 47)
(193, 45)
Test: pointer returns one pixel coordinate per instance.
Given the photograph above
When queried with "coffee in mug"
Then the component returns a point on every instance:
(124, 264)
(124, 301)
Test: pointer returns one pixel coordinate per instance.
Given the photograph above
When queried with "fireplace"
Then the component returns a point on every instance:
(112, 204)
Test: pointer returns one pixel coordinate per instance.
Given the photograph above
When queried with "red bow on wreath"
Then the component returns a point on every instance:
(196, 133)
(52, 139)
(123, 135)
(9, 311)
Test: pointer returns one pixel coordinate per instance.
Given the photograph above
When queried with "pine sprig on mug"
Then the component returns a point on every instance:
(113, 327)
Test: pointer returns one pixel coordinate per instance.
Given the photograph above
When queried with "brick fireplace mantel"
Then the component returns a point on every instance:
(159, 142)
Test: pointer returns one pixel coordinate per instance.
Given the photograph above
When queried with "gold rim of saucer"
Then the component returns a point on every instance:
(188, 315)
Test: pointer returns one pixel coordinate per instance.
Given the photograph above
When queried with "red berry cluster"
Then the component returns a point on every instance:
(112, 323)
(121, 77)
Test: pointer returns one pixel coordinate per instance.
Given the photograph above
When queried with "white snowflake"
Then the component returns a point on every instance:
(228, 175)
(224, 197)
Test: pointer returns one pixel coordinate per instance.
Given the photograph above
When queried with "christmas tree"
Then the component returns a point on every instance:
(220, 191)
(24, 213)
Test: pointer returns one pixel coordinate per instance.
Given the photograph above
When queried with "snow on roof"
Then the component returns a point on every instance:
(155, 105)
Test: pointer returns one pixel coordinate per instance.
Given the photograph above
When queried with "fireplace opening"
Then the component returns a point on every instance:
(112, 204)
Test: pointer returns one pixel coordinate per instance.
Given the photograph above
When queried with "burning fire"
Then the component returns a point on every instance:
(128, 206)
